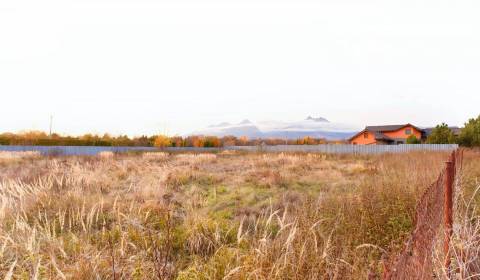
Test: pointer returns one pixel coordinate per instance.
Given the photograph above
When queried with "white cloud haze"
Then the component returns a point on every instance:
(139, 66)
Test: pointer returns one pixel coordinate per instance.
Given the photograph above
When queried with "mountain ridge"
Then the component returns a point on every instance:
(316, 127)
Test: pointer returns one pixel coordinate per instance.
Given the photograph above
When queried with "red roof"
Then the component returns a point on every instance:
(378, 129)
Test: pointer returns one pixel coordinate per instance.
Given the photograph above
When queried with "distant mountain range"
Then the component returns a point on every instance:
(316, 127)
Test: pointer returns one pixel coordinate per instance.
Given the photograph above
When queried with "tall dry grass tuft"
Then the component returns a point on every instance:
(106, 155)
(466, 239)
(19, 155)
(195, 158)
(155, 155)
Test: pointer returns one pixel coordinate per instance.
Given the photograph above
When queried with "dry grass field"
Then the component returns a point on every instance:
(216, 216)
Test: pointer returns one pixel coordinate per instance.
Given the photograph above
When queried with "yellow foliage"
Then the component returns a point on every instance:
(162, 141)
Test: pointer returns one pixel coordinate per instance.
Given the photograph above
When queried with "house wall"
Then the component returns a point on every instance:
(383, 142)
(361, 140)
(400, 134)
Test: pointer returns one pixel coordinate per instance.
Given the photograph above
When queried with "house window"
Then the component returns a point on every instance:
(365, 135)
(408, 131)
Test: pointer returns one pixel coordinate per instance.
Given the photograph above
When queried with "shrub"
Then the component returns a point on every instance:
(441, 134)
(470, 135)
(412, 139)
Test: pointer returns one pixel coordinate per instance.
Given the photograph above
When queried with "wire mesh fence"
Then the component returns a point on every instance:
(435, 206)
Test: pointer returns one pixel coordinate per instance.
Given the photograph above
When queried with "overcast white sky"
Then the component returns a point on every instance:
(139, 66)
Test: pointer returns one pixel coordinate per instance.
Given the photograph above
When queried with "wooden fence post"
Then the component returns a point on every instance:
(448, 209)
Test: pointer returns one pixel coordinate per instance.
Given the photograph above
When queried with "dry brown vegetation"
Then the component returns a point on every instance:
(465, 245)
(217, 216)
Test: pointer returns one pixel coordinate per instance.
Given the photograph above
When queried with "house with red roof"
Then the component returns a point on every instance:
(386, 134)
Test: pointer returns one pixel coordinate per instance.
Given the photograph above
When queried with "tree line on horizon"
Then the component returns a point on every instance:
(40, 138)
(469, 135)
(441, 134)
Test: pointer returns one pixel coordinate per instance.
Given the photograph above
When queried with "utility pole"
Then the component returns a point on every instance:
(51, 121)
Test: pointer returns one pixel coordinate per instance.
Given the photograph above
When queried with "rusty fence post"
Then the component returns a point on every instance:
(448, 209)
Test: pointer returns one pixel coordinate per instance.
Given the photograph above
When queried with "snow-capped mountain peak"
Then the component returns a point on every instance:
(245, 121)
(316, 127)
(319, 119)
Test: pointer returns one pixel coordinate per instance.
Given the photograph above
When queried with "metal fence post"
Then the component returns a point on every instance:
(448, 206)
